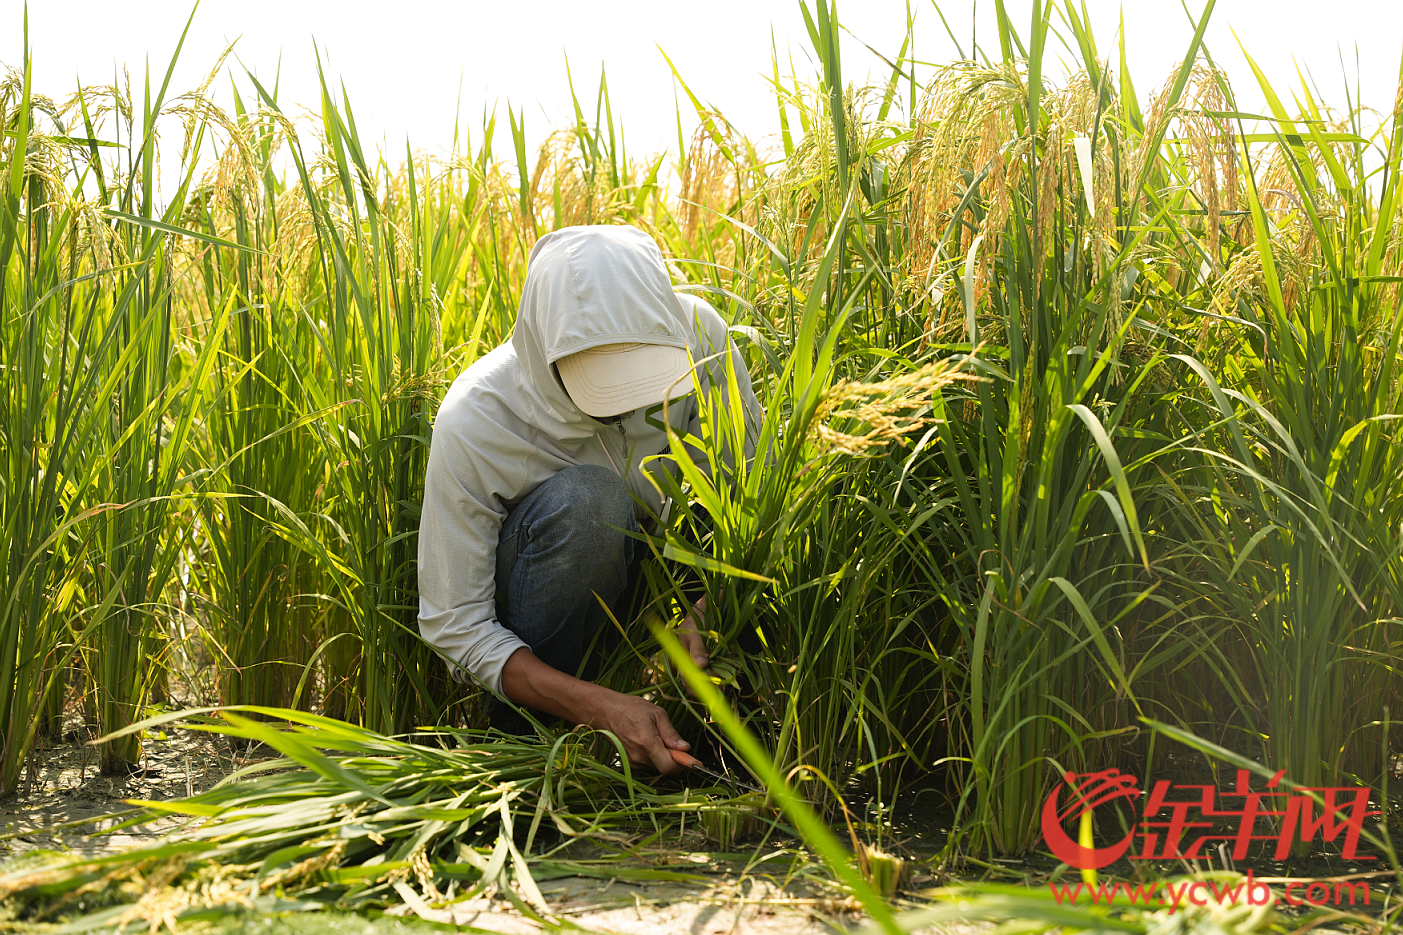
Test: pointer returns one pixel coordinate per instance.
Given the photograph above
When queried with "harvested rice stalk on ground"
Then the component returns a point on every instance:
(374, 821)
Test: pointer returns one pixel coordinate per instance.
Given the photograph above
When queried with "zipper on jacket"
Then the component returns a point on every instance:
(610, 455)
(623, 448)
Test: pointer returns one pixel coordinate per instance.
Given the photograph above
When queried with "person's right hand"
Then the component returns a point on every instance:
(643, 727)
(644, 730)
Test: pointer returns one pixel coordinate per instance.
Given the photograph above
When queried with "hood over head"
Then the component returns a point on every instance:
(588, 286)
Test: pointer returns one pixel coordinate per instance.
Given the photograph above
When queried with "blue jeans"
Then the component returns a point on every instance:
(558, 548)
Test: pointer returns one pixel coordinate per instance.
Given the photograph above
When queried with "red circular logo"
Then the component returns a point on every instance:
(1088, 791)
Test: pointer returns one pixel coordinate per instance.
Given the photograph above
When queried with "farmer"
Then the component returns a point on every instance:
(536, 477)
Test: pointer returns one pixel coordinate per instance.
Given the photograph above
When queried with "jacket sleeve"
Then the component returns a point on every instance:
(463, 513)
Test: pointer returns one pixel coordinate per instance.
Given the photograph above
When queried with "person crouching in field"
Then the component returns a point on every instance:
(536, 478)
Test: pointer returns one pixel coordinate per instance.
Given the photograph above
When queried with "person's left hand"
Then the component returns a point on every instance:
(690, 638)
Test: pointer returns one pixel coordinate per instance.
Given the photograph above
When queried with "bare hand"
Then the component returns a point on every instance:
(642, 727)
(690, 638)
(646, 733)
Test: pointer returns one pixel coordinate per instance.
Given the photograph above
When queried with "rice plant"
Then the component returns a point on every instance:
(1049, 557)
(49, 425)
(96, 440)
(258, 450)
(1306, 458)
(799, 544)
(372, 822)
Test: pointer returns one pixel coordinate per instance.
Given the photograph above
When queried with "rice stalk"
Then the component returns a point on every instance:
(350, 818)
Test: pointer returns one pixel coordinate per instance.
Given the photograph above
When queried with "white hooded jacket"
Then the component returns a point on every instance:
(507, 424)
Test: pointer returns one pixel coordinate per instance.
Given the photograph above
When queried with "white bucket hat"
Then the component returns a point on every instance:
(614, 378)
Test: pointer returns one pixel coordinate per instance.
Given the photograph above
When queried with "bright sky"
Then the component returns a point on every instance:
(408, 65)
